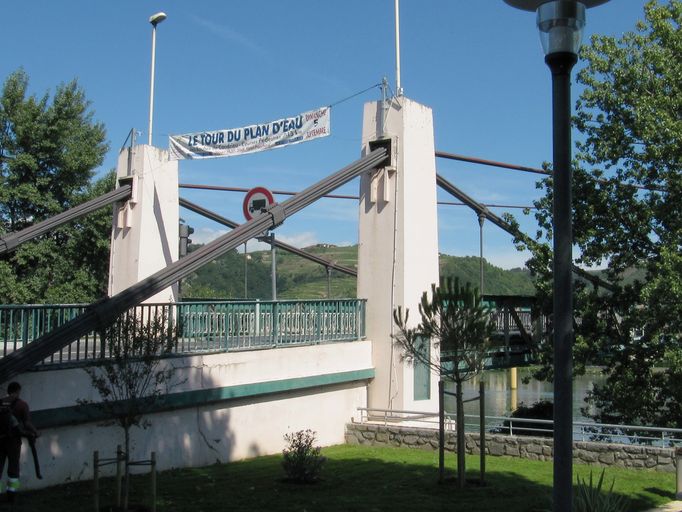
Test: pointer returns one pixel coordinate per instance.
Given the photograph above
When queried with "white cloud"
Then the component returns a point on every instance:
(206, 235)
(254, 245)
(225, 32)
(304, 239)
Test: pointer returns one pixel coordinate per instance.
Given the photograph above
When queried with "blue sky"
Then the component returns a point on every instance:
(224, 64)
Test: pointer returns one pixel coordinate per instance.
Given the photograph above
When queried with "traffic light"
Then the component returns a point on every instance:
(185, 240)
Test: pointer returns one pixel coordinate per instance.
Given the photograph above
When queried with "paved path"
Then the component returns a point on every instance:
(673, 506)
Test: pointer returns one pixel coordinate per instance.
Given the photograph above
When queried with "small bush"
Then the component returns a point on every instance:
(591, 498)
(542, 410)
(302, 461)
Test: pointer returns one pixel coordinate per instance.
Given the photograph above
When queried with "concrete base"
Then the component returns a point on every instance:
(241, 405)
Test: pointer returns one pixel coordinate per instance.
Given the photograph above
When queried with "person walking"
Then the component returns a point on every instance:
(15, 422)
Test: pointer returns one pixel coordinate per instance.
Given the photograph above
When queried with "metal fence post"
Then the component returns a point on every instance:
(678, 465)
(441, 430)
(25, 318)
(481, 395)
(356, 325)
(257, 327)
(319, 308)
(275, 323)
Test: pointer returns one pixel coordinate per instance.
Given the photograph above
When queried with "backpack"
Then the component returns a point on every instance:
(9, 425)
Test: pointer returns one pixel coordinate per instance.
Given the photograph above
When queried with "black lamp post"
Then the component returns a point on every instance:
(561, 23)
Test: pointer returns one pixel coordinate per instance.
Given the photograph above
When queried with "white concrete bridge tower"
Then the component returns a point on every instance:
(398, 245)
(144, 237)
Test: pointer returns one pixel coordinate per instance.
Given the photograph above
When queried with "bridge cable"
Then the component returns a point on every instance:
(482, 210)
(504, 165)
(354, 95)
(282, 245)
(221, 188)
(11, 241)
(100, 314)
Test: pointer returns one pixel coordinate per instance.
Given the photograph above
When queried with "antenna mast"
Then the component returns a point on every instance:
(398, 87)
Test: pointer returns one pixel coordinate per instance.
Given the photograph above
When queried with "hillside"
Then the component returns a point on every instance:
(298, 278)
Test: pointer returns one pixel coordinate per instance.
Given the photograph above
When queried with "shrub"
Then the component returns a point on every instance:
(302, 460)
(591, 498)
(542, 410)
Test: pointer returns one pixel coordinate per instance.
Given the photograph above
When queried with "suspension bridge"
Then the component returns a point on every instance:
(251, 370)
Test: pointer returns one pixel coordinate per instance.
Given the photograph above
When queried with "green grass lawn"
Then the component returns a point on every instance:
(356, 479)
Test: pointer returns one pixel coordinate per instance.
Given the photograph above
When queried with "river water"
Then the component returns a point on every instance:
(500, 399)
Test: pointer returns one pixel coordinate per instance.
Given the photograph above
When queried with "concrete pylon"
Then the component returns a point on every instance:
(144, 235)
(398, 245)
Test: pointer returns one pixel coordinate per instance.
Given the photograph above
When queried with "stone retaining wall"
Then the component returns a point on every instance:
(533, 448)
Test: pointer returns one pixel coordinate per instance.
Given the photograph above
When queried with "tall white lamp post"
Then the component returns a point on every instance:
(154, 19)
(561, 23)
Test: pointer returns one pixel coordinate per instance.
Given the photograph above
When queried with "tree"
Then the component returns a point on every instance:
(48, 151)
(458, 323)
(90, 241)
(133, 378)
(627, 193)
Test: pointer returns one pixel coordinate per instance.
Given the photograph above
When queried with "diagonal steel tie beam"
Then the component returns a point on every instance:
(482, 210)
(282, 245)
(11, 241)
(102, 313)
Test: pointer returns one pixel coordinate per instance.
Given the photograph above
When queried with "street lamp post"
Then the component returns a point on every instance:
(154, 19)
(560, 23)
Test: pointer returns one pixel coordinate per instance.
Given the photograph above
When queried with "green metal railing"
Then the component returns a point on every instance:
(250, 325)
(201, 326)
(21, 324)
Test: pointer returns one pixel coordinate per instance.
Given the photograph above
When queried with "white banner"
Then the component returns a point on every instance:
(249, 139)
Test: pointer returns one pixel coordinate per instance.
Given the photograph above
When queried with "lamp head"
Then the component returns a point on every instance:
(157, 18)
(561, 22)
(532, 5)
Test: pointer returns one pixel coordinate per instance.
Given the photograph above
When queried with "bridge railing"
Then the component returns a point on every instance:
(21, 324)
(503, 320)
(582, 430)
(199, 326)
(249, 325)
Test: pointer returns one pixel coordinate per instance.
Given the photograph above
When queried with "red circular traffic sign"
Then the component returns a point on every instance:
(257, 200)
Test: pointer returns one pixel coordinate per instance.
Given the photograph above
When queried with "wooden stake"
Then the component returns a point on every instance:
(95, 479)
(119, 474)
(153, 470)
